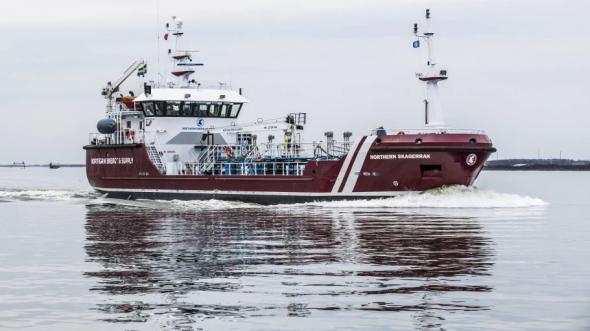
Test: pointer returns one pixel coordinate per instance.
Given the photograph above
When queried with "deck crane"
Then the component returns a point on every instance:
(112, 88)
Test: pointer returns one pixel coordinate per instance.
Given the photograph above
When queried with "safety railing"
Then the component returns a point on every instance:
(247, 168)
(250, 152)
(380, 131)
(118, 138)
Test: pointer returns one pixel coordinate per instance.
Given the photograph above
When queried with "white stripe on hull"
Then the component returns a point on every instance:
(345, 165)
(357, 165)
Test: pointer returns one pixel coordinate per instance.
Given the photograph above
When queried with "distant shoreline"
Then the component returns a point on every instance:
(538, 164)
(536, 168)
(41, 166)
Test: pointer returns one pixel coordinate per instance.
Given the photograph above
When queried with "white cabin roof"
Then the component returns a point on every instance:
(192, 94)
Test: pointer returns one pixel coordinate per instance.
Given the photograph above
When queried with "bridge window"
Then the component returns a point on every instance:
(223, 112)
(186, 109)
(189, 109)
(173, 108)
(148, 108)
(160, 108)
(235, 110)
(212, 110)
(200, 110)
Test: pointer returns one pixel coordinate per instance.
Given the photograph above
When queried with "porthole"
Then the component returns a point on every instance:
(418, 141)
(472, 141)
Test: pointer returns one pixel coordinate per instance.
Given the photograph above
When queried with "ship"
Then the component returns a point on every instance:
(183, 139)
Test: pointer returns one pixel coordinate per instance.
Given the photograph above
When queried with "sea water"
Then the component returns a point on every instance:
(509, 254)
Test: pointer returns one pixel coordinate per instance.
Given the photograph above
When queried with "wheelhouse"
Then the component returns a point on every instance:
(189, 109)
(185, 102)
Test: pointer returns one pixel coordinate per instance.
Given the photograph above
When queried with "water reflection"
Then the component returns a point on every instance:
(187, 266)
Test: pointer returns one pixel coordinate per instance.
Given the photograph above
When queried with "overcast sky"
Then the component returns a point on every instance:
(518, 69)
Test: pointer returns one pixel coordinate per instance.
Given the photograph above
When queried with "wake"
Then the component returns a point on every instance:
(13, 195)
(447, 197)
(444, 198)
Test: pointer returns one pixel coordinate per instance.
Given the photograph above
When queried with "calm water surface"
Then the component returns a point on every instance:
(511, 254)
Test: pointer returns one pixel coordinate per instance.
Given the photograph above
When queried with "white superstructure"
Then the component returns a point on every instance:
(191, 129)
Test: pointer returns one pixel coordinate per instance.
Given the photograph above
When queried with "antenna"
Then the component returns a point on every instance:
(158, 50)
(433, 114)
(182, 62)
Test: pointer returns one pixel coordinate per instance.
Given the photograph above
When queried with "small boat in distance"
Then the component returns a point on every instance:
(54, 165)
(184, 140)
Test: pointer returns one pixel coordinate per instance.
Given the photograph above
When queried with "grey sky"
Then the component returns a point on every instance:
(517, 68)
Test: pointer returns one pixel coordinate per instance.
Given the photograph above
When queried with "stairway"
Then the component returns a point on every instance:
(155, 157)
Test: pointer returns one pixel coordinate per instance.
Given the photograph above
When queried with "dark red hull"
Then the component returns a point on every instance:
(376, 167)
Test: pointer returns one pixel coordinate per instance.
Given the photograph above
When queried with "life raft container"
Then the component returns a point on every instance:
(127, 100)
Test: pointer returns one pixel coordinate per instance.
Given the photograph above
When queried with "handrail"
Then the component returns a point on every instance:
(338, 149)
(265, 168)
(374, 132)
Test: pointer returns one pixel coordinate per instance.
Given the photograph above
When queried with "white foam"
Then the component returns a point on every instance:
(45, 195)
(445, 198)
(448, 197)
(212, 204)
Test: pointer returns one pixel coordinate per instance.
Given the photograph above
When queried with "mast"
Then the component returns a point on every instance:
(433, 112)
(183, 65)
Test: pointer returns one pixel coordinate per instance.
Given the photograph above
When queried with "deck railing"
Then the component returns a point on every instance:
(118, 138)
(319, 149)
(267, 159)
(425, 131)
(228, 168)
(251, 153)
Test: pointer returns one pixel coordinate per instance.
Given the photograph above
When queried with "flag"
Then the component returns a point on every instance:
(166, 36)
(416, 44)
(141, 71)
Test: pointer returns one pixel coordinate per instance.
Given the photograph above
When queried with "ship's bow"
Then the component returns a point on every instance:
(418, 162)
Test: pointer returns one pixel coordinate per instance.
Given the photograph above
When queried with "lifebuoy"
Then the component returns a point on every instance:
(229, 152)
(130, 134)
(401, 133)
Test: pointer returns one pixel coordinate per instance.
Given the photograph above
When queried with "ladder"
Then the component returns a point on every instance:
(206, 159)
(155, 157)
(253, 154)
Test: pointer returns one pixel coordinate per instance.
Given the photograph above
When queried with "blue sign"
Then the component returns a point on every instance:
(200, 122)
(416, 44)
